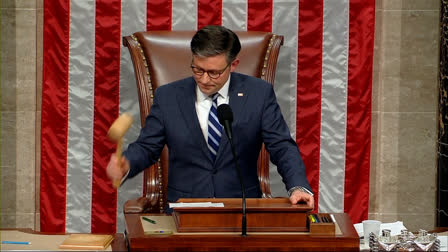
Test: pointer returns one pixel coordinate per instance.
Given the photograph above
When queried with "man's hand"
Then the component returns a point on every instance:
(113, 171)
(299, 196)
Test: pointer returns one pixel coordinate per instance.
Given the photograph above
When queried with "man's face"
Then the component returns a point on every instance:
(217, 67)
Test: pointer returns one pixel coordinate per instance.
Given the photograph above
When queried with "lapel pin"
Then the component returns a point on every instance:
(240, 94)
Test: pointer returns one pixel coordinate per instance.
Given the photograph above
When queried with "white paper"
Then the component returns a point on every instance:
(196, 204)
(395, 228)
(443, 242)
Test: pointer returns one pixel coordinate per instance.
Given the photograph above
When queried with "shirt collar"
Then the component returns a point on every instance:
(223, 92)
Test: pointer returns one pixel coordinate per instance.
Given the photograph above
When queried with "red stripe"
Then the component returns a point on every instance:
(259, 15)
(53, 165)
(107, 76)
(159, 15)
(309, 88)
(361, 31)
(209, 13)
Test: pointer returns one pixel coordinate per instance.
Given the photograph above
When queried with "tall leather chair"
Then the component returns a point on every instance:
(160, 57)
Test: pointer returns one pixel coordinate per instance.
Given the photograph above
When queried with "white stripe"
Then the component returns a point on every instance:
(214, 117)
(213, 140)
(334, 106)
(285, 22)
(133, 18)
(214, 129)
(185, 14)
(80, 116)
(234, 14)
(210, 148)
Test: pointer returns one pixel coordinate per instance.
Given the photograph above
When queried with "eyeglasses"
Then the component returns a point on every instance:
(213, 74)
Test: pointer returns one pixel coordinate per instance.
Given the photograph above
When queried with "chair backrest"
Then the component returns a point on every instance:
(160, 57)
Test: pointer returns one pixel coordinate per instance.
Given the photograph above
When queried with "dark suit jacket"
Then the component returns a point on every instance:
(192, 173)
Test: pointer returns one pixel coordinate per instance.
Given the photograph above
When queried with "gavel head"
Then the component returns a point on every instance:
(119, 127)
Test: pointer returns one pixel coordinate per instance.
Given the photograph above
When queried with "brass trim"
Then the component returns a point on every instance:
(266, 57)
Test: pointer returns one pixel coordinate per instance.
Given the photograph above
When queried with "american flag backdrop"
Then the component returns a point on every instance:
(323, 85)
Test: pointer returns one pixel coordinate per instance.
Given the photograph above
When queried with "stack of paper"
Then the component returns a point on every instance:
(196, 204)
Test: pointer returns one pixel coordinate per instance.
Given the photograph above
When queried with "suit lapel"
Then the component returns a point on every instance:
(186, 99)
(237, 100)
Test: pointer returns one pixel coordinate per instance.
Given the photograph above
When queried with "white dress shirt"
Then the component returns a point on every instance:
(204, 103)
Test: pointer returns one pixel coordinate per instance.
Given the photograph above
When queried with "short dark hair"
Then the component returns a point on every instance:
(213, 40)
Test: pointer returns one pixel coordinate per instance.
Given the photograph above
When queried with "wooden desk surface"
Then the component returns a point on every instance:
(50, 241)
(348, 240)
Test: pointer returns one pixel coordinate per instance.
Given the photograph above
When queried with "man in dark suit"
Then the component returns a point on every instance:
(183, 116)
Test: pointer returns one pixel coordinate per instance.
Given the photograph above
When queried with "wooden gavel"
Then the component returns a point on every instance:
(116, 133)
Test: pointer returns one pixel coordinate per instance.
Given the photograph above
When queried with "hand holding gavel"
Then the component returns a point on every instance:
(116, 132)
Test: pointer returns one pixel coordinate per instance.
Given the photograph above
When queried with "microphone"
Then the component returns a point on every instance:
(225, 117)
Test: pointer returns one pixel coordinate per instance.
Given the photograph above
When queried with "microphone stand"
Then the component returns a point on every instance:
(244, 222)
(225, 117)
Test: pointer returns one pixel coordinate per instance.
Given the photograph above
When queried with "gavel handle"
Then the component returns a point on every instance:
(117, 182)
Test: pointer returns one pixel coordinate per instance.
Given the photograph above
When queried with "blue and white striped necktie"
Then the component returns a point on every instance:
(214, 128)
